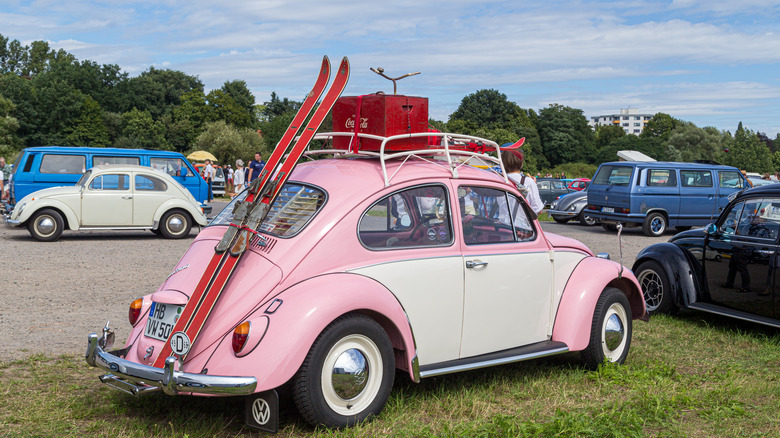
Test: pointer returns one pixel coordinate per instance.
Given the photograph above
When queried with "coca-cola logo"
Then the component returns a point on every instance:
(350, 123)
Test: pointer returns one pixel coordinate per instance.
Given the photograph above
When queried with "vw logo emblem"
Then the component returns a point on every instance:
(261, 412)
(180, 343)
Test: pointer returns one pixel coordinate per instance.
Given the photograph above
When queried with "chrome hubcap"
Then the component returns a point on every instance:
(176, 224)
(350, 374)
(614, 332)
(45, 225)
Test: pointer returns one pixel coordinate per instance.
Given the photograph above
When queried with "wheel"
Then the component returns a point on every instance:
(560, 220)
(654, 225)
(347, 375)
(609, 227)
(175, 224)
(610, 332)
(586, 220)
(46, 225)
(655, 288)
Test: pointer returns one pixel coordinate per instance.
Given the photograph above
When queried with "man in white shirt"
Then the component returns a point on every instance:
(208, 175)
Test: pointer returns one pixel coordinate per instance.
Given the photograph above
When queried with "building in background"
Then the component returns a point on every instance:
(629, 119)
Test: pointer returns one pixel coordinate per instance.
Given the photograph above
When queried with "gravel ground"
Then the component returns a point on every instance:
(55, 294)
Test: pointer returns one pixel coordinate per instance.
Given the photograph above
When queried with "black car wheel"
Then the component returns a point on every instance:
(560, 220)
(347, 375)
(654, 225)
(610, 332)
(46, 225)
(656, 288)
(586, 220)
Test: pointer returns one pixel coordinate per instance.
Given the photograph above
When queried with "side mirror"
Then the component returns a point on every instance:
(711, 229)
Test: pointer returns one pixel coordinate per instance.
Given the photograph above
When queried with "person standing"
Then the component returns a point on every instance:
(513, 163)
(229, 181)
(208, 175)
(239, 176)
(255, 167)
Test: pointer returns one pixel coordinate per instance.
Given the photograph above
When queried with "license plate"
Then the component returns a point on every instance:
(607, 210)
(162, 318)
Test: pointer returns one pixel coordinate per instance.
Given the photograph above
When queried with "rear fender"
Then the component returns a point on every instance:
(680, 266)
(171, 204)
(575, 311)
(287, 329)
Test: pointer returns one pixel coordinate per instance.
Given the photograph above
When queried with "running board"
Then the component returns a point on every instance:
(533, 351)
(744, 316)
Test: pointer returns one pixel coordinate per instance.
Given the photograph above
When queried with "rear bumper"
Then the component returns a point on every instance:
(615, 217)
(139, 379)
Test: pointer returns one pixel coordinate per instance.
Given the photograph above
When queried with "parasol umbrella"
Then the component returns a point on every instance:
(201, 156)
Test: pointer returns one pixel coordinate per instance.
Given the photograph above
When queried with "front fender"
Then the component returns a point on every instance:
(195, 213)
(679, 266)
(35, 206)
(575, 311)
(305, 311)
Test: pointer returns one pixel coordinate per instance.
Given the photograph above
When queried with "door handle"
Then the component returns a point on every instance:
(472, 265)
(127, 197)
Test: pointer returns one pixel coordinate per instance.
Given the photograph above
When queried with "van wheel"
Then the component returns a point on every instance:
(46, 225)
(348, 374)
(655, 224)
(175, 224)
(610, 331)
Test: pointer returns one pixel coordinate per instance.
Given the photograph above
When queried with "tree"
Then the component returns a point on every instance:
(9, 140)
(88, 129)
(566, 135)
(278, 107)
(223, 106)
(659, 126)
(688, 142)
(157, 91)
(228, 143)
(241, 95)
(606, 134)
(746, 151)
(141, 131)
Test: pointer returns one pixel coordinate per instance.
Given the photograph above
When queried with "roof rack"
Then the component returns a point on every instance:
(455, 158)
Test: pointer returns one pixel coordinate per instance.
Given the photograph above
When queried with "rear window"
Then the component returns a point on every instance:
(56, 163)
(613, 175)
(292, 210)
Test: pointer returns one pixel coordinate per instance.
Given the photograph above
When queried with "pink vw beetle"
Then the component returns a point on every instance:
(371, 262)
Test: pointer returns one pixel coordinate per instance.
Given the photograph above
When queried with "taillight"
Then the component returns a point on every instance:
(240, 336)
(135, 310)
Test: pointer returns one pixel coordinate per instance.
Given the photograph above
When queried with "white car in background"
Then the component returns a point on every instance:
(111, 197)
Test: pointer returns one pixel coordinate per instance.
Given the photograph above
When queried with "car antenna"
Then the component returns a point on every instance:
(620, 245)
(381, 72)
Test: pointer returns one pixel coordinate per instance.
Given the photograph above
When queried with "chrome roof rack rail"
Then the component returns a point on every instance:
(455, 157)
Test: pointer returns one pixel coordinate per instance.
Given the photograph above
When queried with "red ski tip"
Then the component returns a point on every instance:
(517, 145)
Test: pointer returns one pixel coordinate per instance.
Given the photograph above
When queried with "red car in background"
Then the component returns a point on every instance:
(579, 184)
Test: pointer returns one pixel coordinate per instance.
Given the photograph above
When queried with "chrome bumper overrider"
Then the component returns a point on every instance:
(139, 379)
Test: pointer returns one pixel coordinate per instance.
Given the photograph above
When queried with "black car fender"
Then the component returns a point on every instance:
(680, 265)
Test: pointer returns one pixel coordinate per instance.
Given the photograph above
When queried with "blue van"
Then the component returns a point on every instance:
(657, 195)
(41, 167)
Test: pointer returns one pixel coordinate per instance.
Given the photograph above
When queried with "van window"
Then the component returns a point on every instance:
(171, 166)
(662, 178)
(98, 160)
(696, 178)
(730, 179)
(110, 182)
(51, 163)
(613, 175)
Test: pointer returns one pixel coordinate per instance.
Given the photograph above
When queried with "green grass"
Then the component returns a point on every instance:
(692, 375)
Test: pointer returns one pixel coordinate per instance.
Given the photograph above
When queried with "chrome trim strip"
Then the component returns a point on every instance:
(139, 379)
(113, 228)
(490, 363)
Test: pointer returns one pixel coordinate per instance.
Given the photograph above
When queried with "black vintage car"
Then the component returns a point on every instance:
(727, 268)
(550, 189)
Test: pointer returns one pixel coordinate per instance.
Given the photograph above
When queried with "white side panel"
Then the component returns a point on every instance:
(507, 301)
(431, 292)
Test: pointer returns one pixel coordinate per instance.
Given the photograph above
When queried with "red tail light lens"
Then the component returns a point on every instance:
(240, 336)
(135, 310)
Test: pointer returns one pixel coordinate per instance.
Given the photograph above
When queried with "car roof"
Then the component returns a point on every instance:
(669, 164)
(768, 189)
(100, 151)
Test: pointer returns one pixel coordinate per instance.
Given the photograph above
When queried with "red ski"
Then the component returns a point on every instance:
(251, 212)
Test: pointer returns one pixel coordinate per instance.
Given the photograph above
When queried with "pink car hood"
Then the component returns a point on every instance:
(559, 242)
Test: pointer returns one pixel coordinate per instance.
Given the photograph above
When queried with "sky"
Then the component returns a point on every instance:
(713, 63)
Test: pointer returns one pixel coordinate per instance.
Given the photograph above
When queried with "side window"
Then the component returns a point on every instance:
(729, 224)
(729, 179)
(559, 185)
(661, 178)
(492, 216)
(150, 183)
(98, 160)
(760, 218)
(110, 182)
(410, 218)
(51, 163)
(696, 178)
(171, 166)
(544, 185)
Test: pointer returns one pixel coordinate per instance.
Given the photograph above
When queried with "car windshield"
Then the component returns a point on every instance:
(290, 212)
(613, 175)
(84, 178)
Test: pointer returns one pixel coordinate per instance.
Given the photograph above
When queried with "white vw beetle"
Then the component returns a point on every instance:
(111, 197)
